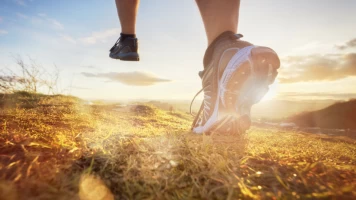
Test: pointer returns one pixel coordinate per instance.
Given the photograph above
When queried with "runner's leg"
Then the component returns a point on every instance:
(127, 11)
(126, 47)
(219, 16)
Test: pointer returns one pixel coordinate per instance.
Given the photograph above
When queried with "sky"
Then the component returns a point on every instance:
(316, 41)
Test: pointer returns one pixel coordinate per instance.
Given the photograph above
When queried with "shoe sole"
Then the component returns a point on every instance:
(247, 74)
(231, 124)
(247, 79)
(132, 56)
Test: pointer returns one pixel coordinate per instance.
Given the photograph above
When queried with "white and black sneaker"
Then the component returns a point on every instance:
(125, 49)
(236, 75)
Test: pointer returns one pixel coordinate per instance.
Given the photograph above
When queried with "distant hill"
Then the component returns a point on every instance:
(337, 116)
(280, 109)
(22, 99)
(271, 109)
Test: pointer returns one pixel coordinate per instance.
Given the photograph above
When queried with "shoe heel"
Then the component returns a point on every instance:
(265, 64)
(250, 82)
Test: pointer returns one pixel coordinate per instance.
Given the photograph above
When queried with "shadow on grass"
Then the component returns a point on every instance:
(136, 172)
(165, 167)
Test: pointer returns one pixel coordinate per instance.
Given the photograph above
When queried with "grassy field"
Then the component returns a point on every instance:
(58, 147)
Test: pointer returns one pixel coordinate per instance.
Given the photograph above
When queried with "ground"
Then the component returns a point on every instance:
(59, 147)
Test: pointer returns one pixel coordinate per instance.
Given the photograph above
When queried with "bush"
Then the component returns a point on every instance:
(143, 110)
(29, 77)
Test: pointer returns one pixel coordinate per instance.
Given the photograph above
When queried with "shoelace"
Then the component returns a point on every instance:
(203, 106)
(116, 43)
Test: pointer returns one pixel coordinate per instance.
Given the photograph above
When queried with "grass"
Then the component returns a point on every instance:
(57, 147)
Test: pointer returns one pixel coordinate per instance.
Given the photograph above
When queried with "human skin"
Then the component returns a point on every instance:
(127, 11)
(218, 16)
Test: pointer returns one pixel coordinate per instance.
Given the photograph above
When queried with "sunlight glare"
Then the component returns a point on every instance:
(271, 94)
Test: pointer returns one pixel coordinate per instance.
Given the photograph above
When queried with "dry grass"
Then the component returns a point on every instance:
(56, 147)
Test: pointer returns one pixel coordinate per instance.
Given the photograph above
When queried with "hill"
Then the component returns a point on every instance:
(59, 147)
(270, 110)
(274, 110)
(340, 115)
(280, 109)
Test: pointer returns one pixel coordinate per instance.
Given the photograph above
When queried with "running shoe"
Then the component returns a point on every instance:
(236, 75)
(125, 49)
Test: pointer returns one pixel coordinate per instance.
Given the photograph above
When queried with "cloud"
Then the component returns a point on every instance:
(90, 67)
(323, 95)
(349, 44)
(68, 38)
(129, 78)
(94, 38)
(100, 37)
(328, 67)
(3, 32)
(52, 22)
(22, 16)
(55, 24)
(42, 20)
(42, 14)
(80, 88)
(20, 2)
